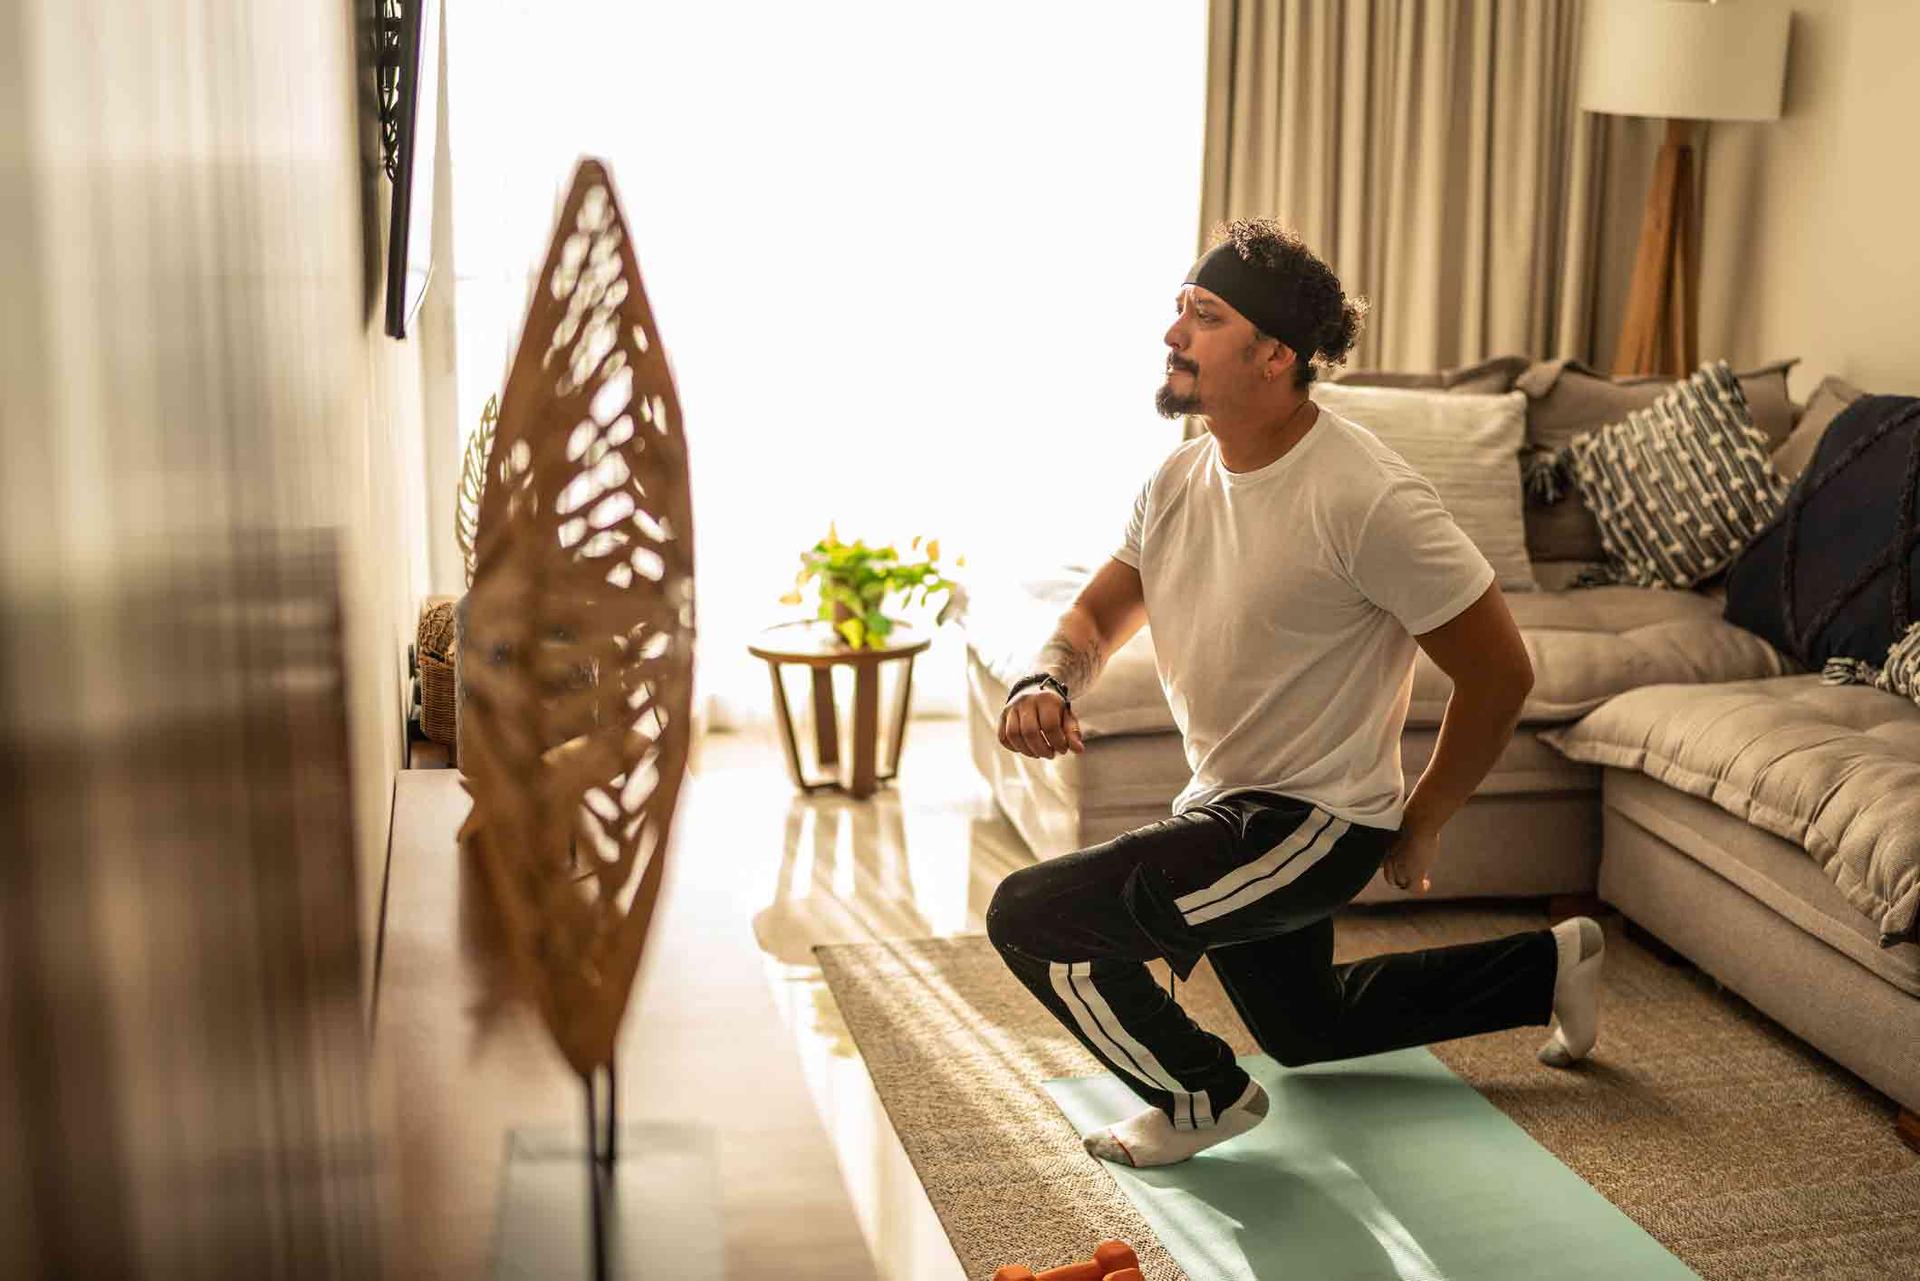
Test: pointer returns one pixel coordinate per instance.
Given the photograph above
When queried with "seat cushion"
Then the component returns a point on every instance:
(1775, 871)
(1525, 766)
(1833, 768)
(1006, 625)
(1586, 646)
(1131, 771)
(1589, 645)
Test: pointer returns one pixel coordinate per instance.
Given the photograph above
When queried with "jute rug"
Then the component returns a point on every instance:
(1742, 1151)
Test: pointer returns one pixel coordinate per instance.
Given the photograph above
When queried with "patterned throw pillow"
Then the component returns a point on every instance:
(1679, 487)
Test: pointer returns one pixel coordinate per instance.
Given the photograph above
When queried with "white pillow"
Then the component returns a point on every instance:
(1468, 448)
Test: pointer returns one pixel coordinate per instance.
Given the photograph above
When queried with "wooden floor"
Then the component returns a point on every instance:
(731, 1024)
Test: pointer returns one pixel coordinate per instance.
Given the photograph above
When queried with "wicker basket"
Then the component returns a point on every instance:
(437, 648)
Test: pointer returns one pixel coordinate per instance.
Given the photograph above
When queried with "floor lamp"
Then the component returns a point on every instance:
(1682, 61)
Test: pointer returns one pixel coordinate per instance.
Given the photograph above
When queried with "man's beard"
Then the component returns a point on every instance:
(1173, 404)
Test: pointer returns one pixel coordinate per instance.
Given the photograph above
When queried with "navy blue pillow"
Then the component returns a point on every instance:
(1837, 572)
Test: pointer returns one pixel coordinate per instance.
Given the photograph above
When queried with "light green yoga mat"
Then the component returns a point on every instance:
(1383, 1167)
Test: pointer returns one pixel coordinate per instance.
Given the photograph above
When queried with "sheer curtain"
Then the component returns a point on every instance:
(912, 264)
(1434, 155)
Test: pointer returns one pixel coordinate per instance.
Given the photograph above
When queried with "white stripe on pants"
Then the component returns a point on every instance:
(1278, 868)
(1103, 1029)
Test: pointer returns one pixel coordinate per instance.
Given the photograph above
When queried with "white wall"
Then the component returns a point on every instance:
(210, 544)
(192, 215)
(1811, 225)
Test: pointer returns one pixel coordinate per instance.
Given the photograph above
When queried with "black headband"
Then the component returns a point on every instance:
(1252, 291)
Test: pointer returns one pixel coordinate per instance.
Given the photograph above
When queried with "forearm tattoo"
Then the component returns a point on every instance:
(1073, 663)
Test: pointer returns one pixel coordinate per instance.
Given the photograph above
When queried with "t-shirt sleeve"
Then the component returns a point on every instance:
(1413, 561)
(1128, 553)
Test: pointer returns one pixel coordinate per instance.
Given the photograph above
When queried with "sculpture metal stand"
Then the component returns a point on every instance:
(577, 652)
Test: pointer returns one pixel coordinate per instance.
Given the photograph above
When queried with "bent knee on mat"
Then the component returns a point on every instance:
(1010, 912)
(1289, 1054)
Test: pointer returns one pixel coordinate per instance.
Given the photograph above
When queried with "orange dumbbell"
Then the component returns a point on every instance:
(1112, 1261)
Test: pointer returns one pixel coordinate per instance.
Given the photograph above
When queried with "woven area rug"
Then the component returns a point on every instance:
(1738, 1148)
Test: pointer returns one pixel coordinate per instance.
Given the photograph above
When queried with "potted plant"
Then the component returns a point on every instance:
(855, 581)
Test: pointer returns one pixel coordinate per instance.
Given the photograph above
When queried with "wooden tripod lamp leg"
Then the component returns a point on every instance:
(1659, 334)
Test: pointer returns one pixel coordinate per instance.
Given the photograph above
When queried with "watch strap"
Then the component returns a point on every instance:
(1046, 679)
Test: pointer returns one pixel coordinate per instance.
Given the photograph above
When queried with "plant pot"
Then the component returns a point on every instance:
(840, 615)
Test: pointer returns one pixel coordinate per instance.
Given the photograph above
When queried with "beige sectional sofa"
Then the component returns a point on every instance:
(1762, 824)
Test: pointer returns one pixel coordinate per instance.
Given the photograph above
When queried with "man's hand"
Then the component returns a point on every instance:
(1039, 723)
(1410, 861)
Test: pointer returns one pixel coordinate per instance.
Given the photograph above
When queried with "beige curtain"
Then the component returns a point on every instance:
(1433, 154)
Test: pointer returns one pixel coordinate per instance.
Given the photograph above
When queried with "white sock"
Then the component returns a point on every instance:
(1150, 1139)
(1581, 945)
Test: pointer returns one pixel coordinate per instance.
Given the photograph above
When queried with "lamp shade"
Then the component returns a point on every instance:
(1684, 59)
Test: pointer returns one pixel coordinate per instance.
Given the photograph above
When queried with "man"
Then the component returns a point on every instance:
(1289, 563)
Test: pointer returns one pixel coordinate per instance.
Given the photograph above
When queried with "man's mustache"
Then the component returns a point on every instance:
(1184, 366)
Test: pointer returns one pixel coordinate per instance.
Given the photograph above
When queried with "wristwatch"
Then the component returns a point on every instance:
(1039, 678)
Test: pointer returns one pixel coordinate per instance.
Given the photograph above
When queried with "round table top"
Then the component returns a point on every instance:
(813, 642)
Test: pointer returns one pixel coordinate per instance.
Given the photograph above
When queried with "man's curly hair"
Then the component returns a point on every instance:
(1320, 308)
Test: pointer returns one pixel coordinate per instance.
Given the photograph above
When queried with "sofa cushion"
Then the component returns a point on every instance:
(1833, 768)
(1837, 573)
(1586, 646)
(1828, 399)
(1467, 447)
(1006, 625)
(1490, 376)
(1525, 766)
(1565, 398)
(1775, 871)
(1678, 488)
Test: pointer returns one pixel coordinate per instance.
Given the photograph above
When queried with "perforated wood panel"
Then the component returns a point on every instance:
(578, 657)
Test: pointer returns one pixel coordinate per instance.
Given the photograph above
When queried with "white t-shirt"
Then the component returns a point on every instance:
(1283, 604)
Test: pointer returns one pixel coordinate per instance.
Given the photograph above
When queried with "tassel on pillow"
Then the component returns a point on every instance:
(1547, 474)
(1598, 576)
(1849, 671)
(1900, 675)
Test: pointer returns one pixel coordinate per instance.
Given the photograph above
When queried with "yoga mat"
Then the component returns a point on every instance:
(1381, 1167)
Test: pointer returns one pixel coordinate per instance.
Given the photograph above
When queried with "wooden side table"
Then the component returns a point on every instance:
(813, 644)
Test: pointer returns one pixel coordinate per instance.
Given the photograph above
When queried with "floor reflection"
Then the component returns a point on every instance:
(848, 874)
(844, 878)
(919, 859)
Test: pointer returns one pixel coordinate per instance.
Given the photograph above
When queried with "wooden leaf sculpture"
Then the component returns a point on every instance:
(579, 632)
(473, 482)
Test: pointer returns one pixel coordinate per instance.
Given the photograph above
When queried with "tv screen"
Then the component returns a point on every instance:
(410, 229)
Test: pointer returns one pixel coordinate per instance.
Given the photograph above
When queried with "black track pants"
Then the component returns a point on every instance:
(1252, 881)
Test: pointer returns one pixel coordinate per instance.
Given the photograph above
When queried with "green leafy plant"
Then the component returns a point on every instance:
(855, 581)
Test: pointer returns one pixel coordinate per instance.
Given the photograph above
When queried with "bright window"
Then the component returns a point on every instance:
(912, 263)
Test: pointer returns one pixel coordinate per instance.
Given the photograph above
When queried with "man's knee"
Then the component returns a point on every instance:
(1010, 912)
(1291, 1052)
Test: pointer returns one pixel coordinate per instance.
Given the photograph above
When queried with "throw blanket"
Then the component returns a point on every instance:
(1836, 574)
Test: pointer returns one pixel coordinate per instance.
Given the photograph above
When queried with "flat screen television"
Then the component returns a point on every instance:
(415, 110)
